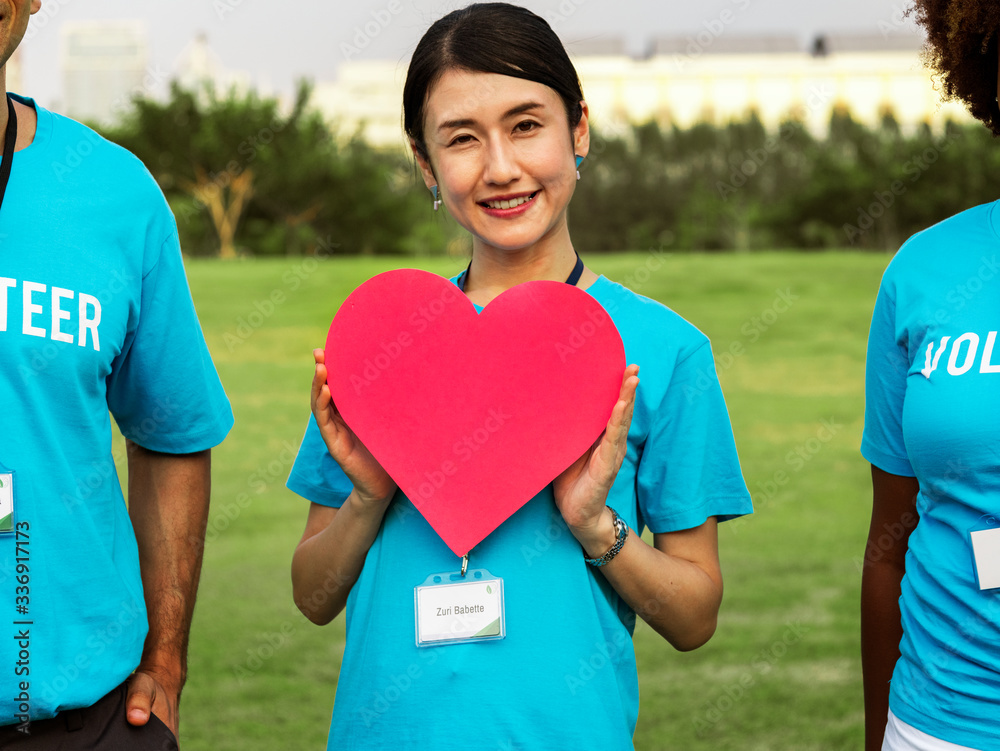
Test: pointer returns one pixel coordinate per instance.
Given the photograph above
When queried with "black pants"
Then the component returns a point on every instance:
(101, 727)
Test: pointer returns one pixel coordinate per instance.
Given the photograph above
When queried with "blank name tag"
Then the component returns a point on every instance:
(986, 551)
(451, 609)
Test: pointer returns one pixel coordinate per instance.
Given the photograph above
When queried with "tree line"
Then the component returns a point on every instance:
(245, 178)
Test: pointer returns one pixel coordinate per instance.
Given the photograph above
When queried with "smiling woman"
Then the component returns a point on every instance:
(505, 165)
(497, 122)
(496, 118)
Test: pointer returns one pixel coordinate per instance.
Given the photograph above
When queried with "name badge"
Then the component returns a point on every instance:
(452, 609)
(985, 538)
(6, 501)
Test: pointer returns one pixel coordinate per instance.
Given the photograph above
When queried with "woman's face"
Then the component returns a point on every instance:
(495, 141)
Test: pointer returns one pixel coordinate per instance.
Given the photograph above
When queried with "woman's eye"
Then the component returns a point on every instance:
(526, 126)
(459, 140)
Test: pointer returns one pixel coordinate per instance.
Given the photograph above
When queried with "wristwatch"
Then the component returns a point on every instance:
(621, 530)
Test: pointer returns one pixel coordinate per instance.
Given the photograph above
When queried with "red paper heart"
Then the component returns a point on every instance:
(472, 414)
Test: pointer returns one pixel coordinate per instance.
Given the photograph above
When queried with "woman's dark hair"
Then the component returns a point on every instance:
(962, 48)
(489, 38)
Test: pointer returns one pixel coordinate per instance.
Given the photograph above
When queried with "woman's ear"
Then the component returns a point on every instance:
(581, 133)
(425, 166)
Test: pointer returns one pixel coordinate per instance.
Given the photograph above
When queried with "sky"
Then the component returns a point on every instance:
(277, 43)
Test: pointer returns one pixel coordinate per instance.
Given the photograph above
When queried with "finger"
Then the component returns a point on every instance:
(626, 396)
(319, 374)
(629, 391)
(139, 699)
(630, 383)
(630, 372)
(621, 415)
(320, 390)
(320, 397)
(612, 439)
(615, 442)
(625, 419)
(319, 378)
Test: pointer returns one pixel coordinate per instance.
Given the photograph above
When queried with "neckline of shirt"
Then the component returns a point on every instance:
(590, 290)
(43, 131)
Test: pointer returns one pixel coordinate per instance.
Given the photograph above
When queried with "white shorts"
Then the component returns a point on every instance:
(902, 737)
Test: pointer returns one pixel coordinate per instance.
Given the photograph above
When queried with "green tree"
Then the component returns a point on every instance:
(244, 177)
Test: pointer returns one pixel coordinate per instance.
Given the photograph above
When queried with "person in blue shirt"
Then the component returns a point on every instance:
(96, 320)
(497, 121)
(930, 610)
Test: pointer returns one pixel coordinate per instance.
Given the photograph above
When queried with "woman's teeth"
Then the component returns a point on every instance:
(512, 203)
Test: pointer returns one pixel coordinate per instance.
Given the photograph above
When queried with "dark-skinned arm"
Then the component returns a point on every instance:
(168, 505)
(894, 516)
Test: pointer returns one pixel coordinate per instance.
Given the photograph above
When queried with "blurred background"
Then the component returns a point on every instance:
(725, 125)
(797, 143)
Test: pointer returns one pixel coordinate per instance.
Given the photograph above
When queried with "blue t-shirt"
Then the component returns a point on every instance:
(565, 675)
(95, 315)
(933, 412)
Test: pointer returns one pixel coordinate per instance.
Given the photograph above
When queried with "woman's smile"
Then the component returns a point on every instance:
(506, 207)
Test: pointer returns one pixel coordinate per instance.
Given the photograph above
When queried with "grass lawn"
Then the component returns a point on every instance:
(782, 671)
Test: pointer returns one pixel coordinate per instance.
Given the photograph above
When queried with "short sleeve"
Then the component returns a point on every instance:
(315, 475)
(886, 368)
(689, 469)
(164, 391)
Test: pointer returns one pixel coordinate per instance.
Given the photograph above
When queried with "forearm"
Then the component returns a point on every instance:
(327, 564)
(880, 634)
(679, 598)
(168, 506)
(894, 517)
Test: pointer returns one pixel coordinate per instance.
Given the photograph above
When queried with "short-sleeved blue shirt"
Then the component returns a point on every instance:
(565, 675)
(95, 315)
(933, 412)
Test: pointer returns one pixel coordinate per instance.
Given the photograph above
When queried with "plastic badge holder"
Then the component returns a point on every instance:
(985, 538)
(452, 609)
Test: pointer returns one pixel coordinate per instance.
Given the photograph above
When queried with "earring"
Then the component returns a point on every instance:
(437, 200)
(579, 161)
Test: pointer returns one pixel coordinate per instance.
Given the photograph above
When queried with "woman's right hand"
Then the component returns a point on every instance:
(372, 485)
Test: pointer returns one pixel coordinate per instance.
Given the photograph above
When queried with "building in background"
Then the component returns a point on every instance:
(198, 66)
(682, 81)
(368, 95)
(686, 81)
(104, 64)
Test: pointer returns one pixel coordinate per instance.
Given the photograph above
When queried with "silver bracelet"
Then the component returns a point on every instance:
(621, 530)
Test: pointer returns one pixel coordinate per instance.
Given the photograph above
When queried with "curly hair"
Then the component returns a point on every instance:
(962, 49)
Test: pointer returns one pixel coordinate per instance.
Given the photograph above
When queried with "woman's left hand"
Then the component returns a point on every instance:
(581, 492)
